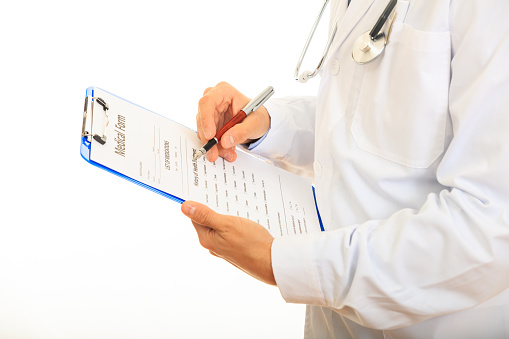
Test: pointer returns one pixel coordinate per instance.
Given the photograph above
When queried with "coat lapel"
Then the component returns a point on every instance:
(356, 10)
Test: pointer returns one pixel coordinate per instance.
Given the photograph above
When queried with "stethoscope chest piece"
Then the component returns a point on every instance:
(367, 49)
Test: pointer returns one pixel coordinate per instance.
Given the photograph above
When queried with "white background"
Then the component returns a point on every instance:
(84, 254)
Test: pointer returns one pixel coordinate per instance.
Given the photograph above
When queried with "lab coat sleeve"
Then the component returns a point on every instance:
(452, 253)
(290, 141)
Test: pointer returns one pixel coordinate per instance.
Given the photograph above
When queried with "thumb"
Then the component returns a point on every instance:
(238, 134)
(201, 214)
(254, 126)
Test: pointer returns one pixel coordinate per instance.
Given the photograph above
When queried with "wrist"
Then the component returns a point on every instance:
(264, 121)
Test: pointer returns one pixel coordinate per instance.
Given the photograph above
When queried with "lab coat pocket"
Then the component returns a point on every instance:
(403, 103)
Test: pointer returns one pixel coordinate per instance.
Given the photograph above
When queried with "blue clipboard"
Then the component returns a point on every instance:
(86, 142)
(85, 146)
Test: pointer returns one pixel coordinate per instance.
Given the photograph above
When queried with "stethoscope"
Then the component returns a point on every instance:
(366, 48)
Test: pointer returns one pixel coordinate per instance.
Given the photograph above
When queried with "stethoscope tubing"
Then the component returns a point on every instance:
(373, 36)
(308, 42)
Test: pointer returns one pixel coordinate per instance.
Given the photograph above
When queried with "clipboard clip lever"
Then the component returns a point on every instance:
(88, 119)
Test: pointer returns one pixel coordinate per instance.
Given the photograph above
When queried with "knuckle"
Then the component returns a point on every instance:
(204, 243)
(207, 240)
(239, 134)
(223, 84)
(200, 135)
(202, 218)
(207, 90)
(203, 100)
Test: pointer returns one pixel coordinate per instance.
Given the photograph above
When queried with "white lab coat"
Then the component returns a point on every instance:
(410, 157)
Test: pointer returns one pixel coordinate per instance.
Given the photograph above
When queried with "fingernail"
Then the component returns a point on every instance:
(207, 134)
(189, 209)
(228, 157)
(228, 142)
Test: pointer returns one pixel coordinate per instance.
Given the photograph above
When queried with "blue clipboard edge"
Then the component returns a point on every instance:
(318, 211)
(85, 154)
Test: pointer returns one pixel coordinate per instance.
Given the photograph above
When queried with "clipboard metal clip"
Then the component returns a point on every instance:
(88, 116)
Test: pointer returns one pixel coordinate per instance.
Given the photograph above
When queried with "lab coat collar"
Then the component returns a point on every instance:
(354, 13)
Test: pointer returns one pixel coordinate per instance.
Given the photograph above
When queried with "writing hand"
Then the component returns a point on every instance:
(217, 106)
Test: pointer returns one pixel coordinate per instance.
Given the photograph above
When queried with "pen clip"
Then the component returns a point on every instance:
(257, 102)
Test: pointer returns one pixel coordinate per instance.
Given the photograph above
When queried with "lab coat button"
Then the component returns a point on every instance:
(318, 168)
(334, 67)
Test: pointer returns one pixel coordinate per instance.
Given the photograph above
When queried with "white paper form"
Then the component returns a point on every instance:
(158, 152)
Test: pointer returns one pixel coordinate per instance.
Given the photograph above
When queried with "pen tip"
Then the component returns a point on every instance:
(197, 155)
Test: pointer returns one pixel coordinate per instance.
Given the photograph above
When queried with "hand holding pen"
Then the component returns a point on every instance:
(223, 109)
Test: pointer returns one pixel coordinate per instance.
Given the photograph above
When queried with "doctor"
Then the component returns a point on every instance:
(410, 159)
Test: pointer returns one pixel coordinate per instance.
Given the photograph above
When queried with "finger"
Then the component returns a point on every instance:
(211, 109)
(254, 126)
(217, 151)
(198, 128)
(238, 134)
(205, 235)
(229, 154)
(205, 120)
(203, 215)
(216, 107)
(213, 154)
